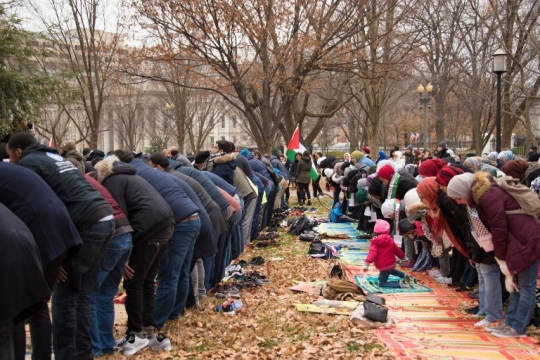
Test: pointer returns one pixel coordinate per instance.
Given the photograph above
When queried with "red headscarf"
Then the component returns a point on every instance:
(386, 172)
(515, 168)
(430, 167)
(427, 189)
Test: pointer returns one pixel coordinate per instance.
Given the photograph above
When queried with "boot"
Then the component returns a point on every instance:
(300, 197)
(309, 202)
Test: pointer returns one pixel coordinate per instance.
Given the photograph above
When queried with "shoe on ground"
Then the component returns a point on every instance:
(434, 273)
(502, 326)
(485, 322)
(407, 278)
(160, 342)
(508, 333)
(134, 344)
(473, 310)
(119, 345)
(479, 315)
(444, 280)
(403, 285)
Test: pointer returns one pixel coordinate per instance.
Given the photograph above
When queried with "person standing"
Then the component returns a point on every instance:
(94, 219)
(303, 178)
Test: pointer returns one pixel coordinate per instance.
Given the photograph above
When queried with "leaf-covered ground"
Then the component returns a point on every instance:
(269, 326)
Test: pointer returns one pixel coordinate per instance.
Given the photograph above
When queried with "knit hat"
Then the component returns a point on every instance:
(357, 155)
(244, 152)
(442, 144)
(505, 156)
(68, 146)
(362, 183)
(388, 207)
(460, 185)
(430, 167)
(417, 152)
(361, 196)
(386, 172)
(410, 147)
(385, 162)
(446, 173)
(366, 150)
(515, 168)
(411, 198)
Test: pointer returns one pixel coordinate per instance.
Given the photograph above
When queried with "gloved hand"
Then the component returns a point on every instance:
(510, 284)
(504, 267)
(366, 267)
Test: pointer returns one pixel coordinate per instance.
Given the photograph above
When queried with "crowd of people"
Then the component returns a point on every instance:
(79, 223)
(474, 220)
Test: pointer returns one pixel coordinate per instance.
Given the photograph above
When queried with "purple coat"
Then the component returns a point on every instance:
(516, 238)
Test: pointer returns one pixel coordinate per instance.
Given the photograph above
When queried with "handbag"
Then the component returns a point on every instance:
(375, 312)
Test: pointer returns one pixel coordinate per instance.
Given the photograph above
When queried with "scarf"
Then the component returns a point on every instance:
(474, 163)
(428, 190)
(392, 188)
(209, 164)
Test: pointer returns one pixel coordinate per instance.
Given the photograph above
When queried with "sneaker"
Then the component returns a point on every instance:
(134, 344)
(508, 333)
(444, 280)
(479, 315)
(160, 342)
(434, 273)
(502, 326)
(407, 278)
(403, 285)
(119, 345)
(473, 310)
(484, 322)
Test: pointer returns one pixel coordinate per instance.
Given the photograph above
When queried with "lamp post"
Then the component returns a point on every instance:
(499, 68)
(425, 102)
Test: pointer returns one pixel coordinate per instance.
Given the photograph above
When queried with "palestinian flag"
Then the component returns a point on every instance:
(297, 145)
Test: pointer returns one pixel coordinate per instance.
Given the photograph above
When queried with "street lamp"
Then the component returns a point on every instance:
(499, 68)
(425, 102)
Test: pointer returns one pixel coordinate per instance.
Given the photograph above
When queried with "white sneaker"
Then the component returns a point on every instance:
(485, 322)
(434, 273)
(134, 344)
(502, 326)
(444, 280)
(160, 342)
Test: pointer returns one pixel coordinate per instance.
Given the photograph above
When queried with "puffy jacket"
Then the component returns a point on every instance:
(224, 167)
(30, 198)
(383, 251)
(219, 182)
(258, 167)
(278, 165)
(217, 221)
(303, 170)
(85, 204)
(173, 194)
(242, 163)
(121, 222)
(147, 211)
(516, 238)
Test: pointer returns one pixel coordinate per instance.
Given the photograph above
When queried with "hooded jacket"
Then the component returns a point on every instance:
(147, 212)
(276, 164)
(224, 166)
(76, 159)
(383, 251)
(30, 198)
(243, 164)
(86, 206)
(25, 290)
(258, 167)
(303, 170)
(516, 238)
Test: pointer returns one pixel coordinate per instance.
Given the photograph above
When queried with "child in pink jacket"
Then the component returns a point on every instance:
(383, 251)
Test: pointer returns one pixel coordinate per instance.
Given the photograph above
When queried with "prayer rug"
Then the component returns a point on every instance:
(370, 284)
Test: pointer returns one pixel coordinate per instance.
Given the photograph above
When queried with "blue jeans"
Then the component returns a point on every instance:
(470, 275)
(489, 292)
(71, 303)
(383, 278)
(522, 303)
(173, 272)
(108, 279)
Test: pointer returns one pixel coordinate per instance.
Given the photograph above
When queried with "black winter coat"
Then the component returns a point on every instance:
(85, 204)
(30, 198)
(23, 286)
(147, 212)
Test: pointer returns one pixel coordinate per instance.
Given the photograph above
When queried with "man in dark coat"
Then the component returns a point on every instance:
(33, 201)
(152, 220)
(94, 219)
(173, 271)
(24, 291)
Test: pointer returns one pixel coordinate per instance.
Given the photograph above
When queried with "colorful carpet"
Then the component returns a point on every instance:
(348, 229)
(434, 325)
(370, 284)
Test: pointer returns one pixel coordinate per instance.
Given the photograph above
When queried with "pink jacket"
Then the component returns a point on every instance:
(383, 251)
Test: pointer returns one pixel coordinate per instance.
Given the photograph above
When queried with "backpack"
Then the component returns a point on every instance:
(528, 200)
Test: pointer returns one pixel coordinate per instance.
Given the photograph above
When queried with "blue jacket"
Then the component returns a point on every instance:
(335, 213)
(258, 167)
(229, 189)
(367, 161)
(278, 165)
(224, 167)
(174, 195)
